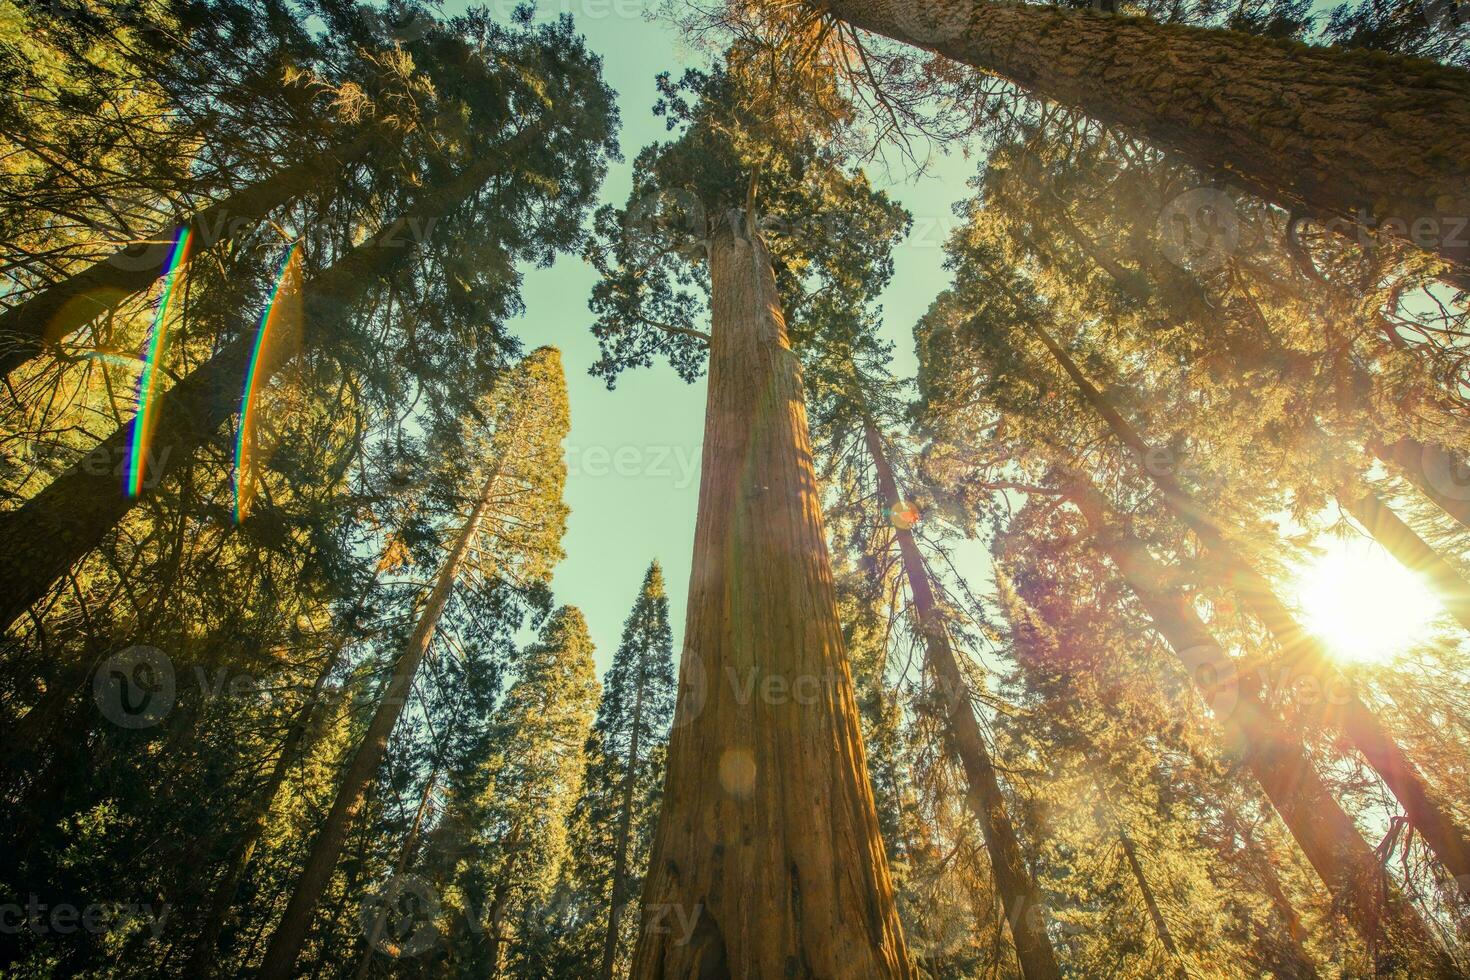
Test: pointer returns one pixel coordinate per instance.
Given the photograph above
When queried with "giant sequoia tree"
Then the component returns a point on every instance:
(767, 847)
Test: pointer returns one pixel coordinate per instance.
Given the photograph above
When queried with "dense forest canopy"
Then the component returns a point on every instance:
(1077, 575)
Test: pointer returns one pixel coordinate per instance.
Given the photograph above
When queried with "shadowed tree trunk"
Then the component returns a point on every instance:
(1437, 473)
(201, 962)
(1023, 908)
(405, 855)
(1302, 656)
(625, 825)
(1334, 133)
(767, 861)
(46, 318)
(58, 526)
(1326, 834)
(1412, 552)
(285, 945)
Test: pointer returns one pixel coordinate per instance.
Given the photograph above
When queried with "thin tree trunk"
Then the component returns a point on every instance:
(1024, 910)
(1437, 472)
(1300, 651)
(1326, 834)
(53, 530)
(1155, 914)
(625, 826)
(201, 963)
(1412, 552)
(496, 949)
(767, 861)
(1296, 931)
(1329, 132)
(405, 855)
(46, 318)
(285, 945)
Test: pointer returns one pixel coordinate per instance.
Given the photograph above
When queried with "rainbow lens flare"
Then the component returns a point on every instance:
(280, 323)
(146, 417)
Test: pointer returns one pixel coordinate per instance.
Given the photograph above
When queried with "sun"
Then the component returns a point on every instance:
(1362, 603)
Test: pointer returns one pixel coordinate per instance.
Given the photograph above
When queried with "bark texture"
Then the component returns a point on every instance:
(46, 318)
(1328, 132)
(1024, 911)
(279, 962)
(1326, 834)
(767, 862)
(58, 526)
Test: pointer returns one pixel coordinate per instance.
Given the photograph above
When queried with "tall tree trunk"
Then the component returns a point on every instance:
(1412, 552)
(58, 526)
(1151, 902)
(1024, 910)
(1359, 884)
(1300, 651)
(47, 317)
(767, 861)
(625, 828)
(201, 962)
(1333, 133)
(285, 945)
(1437, 472)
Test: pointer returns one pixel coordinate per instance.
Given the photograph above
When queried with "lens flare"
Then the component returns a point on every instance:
(279, 324)
(146, 417)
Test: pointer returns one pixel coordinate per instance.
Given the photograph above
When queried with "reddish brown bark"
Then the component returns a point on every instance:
(1437, 473)
(1413, 553)
(767, 861)
(1303, 659)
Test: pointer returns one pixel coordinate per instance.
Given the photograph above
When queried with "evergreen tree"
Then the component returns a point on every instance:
(768, 794)
(613, 821)
(512, 533)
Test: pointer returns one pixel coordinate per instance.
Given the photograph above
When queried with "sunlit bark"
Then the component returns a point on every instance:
(767, 861)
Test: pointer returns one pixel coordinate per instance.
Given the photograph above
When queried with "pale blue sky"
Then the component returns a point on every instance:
(633, 453)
